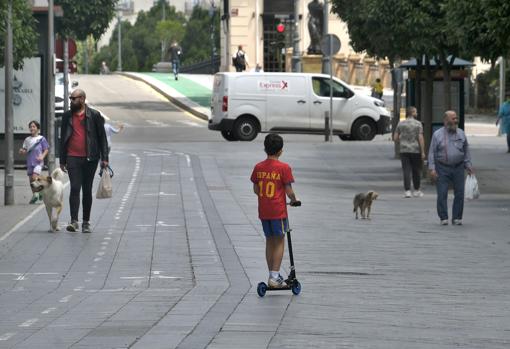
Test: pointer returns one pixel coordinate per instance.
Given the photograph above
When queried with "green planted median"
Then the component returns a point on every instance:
(195, 92)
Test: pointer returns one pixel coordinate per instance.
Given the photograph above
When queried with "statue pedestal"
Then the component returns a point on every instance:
(312, 63)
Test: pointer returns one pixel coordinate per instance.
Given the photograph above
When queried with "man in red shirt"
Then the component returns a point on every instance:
(83, 143)
(272, 181)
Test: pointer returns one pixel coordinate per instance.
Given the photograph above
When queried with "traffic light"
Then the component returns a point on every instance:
(280, 35)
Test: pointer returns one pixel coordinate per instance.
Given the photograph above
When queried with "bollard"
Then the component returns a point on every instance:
(326, 126)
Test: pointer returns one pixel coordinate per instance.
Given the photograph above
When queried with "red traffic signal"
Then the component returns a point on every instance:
(280, 28)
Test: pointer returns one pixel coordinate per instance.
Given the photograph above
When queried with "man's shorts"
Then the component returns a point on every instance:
(34, 170)
(275, 227)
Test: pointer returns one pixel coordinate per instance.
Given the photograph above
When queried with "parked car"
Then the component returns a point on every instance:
(59, 93)
(244, 104)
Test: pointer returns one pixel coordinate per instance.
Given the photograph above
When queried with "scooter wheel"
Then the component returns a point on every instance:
(296, 287)
(261, 289)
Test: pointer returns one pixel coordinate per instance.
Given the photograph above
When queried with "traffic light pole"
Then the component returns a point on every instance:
(296, 56)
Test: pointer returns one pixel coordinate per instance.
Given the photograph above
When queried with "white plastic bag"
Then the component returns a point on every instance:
(471, 190)
(104, 189)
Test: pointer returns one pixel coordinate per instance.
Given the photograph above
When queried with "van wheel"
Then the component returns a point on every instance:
(345, 137)
(228, 135)
(364, 129)
(245, 129)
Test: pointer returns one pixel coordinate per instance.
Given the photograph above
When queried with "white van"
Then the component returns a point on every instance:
(244, 104)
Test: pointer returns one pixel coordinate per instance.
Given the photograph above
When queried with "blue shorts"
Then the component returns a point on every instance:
(275, 227)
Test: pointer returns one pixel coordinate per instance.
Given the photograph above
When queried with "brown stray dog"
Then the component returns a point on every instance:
(363, 201)
(52, 190)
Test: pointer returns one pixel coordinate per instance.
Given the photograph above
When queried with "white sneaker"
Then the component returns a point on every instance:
(418, 194)
(457, 222)
(276, 283)
(407, 194)
(444, 222)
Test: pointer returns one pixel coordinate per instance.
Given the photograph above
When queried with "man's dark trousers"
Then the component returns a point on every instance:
(450, 174)
(81, 175)
(411, 164)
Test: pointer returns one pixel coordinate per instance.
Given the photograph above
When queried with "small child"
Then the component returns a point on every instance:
(377, 89)
(36, 148)
(272, 180)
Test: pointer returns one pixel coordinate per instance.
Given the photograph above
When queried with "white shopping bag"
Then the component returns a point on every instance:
(104, 189)
(471, 190)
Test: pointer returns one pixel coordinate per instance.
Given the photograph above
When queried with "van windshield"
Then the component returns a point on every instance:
(321, 88)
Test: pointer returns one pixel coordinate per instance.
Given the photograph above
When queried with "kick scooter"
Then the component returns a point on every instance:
(291, 283)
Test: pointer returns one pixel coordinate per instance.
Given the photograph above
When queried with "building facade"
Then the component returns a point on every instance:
(253, 24)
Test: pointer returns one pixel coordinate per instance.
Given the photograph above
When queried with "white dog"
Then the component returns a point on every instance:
(52, 190)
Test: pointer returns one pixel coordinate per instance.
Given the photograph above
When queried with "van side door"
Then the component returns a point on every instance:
(320, 102)
(287, 102)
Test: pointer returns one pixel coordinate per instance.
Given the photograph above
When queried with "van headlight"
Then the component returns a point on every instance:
(379, 103)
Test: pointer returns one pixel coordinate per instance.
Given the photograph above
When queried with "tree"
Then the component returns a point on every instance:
(83, 18)
(24, 33)
(196, 43)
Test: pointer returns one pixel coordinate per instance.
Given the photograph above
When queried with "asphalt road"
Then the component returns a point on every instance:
(177, 253)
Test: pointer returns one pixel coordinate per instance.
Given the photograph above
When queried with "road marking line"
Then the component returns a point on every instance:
(29, 322)
(7, 336)
(49, 310)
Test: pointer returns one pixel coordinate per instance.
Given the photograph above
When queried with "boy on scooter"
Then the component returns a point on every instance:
(272, 180)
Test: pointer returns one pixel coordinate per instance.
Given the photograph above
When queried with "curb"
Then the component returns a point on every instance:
(172, 99)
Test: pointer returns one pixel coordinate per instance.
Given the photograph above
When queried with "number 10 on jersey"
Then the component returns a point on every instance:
(266, 189)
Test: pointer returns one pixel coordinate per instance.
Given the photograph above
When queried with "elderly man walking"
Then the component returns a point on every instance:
(448, 157)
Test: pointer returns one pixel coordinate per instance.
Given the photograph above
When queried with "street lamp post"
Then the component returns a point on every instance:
(119, 37)
(325, 58)
(50, 87)
(9, 130)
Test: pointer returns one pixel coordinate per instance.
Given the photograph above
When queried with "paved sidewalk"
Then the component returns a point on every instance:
(397, 281)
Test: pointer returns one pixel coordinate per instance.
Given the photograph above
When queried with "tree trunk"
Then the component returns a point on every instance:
(396, 108)
(447, 81)
(427, 105)
(417, 88)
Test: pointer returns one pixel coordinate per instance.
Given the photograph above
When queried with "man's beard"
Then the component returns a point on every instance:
(75, 107)
(451, 126)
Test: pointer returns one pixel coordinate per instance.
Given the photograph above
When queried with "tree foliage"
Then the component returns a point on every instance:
(23, 29)
(482, 27)
(84, 18)
(141, 42)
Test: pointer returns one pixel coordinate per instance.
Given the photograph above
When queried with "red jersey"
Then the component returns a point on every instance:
(77, 145)
(271, 176)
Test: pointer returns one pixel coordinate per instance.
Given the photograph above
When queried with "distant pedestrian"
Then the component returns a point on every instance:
(104, 70)
(240, 60)
(504, 120)
(36, 148)
(448, 157)
(110, 130)
(272, 182)
(377, 89)
(409, 134)
(175, 55)
(83, 143)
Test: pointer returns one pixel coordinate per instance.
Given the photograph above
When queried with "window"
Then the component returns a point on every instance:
(321, 88)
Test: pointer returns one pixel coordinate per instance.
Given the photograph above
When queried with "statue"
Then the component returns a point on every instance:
(315, 26)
